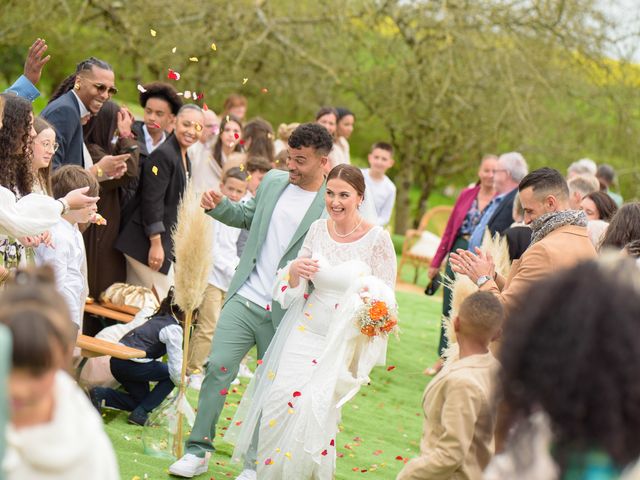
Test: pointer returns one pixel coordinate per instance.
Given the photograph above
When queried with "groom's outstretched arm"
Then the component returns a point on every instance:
(234, 214)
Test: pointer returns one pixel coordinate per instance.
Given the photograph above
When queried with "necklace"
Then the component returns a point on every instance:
(335, 230)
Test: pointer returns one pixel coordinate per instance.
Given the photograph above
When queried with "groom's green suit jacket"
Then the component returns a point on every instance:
(255, 216)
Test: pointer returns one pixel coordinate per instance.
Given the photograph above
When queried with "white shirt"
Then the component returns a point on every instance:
(225, 254)
(285, 220)
(149, 141)
(206, 173)
(383, 193)
(71, 446)
(340, 152)
(68, 260)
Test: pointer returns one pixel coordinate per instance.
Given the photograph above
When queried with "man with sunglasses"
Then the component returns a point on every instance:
(94, 85)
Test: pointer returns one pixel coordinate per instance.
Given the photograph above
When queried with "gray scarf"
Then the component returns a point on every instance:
(547, 223)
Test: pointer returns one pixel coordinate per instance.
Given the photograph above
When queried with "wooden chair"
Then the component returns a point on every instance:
(435, 221)
(91, 347)
(119, 314)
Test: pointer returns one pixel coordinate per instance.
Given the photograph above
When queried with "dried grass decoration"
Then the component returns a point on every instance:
(192, 240)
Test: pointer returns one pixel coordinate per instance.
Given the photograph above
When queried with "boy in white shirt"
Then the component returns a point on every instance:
(225, 238)
(378, 184)
(67, 256)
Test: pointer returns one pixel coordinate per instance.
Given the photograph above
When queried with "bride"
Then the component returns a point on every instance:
(319, 356)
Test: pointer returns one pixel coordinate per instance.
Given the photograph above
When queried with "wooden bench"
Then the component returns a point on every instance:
(91, 347)
(108, 311)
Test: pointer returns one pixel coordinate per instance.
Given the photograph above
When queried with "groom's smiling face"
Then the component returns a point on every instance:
(305, 166)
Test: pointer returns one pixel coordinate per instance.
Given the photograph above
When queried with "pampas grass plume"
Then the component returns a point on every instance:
(192, 246)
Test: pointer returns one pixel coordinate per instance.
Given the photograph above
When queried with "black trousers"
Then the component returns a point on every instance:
(135, 378)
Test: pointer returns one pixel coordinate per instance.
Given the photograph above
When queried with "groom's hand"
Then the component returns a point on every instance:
(210, 199)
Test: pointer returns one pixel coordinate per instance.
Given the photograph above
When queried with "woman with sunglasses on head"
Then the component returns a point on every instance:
(145, 237)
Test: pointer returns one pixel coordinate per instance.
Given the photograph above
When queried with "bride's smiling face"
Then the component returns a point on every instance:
(341, 199)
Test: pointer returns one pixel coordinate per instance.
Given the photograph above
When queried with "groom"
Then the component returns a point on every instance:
(278, 220)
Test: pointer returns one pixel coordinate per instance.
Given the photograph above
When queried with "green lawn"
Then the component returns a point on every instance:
(383, 422)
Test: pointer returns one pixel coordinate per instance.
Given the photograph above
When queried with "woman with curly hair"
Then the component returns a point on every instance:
(16, 142)
(570, 376)
(623, 228)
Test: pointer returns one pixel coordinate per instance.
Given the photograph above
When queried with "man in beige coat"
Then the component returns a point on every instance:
(457, 442)
(559, 240)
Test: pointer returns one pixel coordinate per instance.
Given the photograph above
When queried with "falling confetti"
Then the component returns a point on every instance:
(173, 75)
(213, 47)
(244, 81)
(173, 50)
(224, 369)
(391, 367)
(283, 288)
(306, 295)
(272, 423)
(193, 59)
(268, 461)
(154, 169)
(224, 392)
(153, 32)
(290, 404)
(296, 394)
(205, 107)
(332, 442)
(288, 455)
(268, 308)
(259, 362)
(236, 136)
(141, 89)
(324, 453)
(264, 90)
(302, 328)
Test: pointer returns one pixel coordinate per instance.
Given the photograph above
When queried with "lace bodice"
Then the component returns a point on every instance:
(374, 249)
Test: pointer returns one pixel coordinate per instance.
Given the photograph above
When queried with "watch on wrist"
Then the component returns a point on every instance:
(482, 279)
(65, 205)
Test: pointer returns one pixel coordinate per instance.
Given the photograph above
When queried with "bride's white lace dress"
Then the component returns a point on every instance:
(318, 358)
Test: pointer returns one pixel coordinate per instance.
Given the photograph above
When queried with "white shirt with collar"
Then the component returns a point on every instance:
(84, 112)
(149, 141)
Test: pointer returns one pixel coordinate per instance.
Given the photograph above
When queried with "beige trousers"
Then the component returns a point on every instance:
(140, 274)
(208, 315)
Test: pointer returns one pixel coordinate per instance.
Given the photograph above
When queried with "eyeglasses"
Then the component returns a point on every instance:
(103, 88)
(47, 145)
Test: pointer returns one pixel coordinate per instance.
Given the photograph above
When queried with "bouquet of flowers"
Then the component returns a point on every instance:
(375, 317)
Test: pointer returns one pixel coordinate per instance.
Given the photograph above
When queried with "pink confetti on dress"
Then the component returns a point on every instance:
(268, 308)
(283, 288)
(224, 392)
(296, 394)
(224, 369)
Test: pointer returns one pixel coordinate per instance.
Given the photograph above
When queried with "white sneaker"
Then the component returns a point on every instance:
(190, 465)
(236, 381)
(195, 381)
(244, 371)
(247, 475)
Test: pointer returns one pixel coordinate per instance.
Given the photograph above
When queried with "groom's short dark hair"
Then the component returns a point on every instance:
(312, 135)
(547, 181)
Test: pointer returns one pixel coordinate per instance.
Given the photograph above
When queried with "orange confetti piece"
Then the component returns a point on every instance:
(205, 107)
(264, 90)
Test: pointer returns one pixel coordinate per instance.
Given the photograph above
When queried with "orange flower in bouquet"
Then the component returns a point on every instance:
(375, 318)
(378, 310)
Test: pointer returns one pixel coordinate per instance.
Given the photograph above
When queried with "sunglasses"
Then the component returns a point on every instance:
(103, 88)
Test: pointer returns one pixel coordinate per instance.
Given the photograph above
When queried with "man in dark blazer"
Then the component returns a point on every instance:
(94, 85)
(498, 215)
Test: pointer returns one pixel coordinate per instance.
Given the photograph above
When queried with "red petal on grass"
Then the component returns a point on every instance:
(377, 452)
(399, 457)
(391, 367)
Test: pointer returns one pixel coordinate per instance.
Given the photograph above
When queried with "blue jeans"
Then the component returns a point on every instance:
(135, 378)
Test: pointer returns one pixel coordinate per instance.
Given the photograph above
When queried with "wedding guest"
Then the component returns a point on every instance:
(145, 236)
(109, 134)
(54, 432)
(623, 228)
(466, 214)
(227, 143)
(457, 438)
(509, 171)
(518, 235)
(68, 258)
(571, 394)
(328, 118)
(344, 129)
(607, 176)
(201, 153)
(579, 187)
(258, 139)
(44, 147)
(584, 166)
(283, 134)
(160, 335)
(598, 206)
(224, 245)
(94, 84)
(379, 186)
(559, 240)
(235, 105)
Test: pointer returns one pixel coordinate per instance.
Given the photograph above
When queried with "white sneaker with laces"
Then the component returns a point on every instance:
(244, 371)
(190, 465)
(247, 475)
(195, 381)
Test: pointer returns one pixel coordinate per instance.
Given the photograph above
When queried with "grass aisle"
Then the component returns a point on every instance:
(382, 422)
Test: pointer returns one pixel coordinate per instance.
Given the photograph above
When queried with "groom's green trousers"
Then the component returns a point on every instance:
(242, 325)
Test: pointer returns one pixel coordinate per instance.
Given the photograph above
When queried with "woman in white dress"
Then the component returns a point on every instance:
(318, 358)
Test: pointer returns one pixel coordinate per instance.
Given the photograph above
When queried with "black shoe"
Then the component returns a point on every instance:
(138, 417)
(97, 398)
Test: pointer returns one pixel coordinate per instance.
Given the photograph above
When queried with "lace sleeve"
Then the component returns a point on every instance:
(383, 259)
